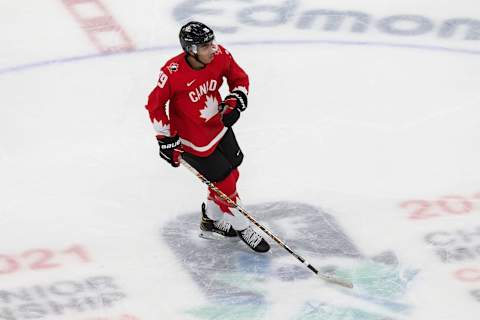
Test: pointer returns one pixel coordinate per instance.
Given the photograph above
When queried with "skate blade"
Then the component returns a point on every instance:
(215, 236)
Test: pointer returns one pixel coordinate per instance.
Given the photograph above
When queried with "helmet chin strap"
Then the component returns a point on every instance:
(194, 54)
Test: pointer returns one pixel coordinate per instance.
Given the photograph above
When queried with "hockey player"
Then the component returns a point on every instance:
(198, 124)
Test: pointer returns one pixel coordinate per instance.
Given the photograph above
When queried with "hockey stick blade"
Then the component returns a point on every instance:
(335, 280)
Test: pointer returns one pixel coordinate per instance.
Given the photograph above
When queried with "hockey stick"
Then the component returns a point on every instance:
(224, 197)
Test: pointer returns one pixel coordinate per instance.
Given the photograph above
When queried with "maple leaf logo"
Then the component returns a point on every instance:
(211, 108)
(160, 128)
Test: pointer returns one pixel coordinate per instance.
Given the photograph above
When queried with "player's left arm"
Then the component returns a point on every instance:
(238, 83)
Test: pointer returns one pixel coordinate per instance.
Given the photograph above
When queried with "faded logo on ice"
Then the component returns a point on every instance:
(60, 298)
(228, 17)
(243, 285)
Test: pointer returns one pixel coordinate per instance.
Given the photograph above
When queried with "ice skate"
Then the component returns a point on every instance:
(221, 227)
(254, 240)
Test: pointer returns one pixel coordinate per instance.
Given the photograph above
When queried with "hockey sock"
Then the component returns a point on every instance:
(232, 216)
(227, 186)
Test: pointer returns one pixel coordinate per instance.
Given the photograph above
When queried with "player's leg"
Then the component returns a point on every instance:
(216, 169)
(232, 216)
(230, 149)
(221, 169)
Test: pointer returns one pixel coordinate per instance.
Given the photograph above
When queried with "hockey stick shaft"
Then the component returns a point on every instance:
(232, 203)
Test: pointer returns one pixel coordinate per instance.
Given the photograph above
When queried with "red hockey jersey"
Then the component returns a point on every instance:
(193, 97)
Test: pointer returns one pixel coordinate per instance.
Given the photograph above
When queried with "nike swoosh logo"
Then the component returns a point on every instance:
(191, 82)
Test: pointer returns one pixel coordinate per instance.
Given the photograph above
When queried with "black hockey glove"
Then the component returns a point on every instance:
(230, 108)
(170, 150)
(230, 117)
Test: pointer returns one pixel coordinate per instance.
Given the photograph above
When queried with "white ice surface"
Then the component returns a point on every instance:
(355, 130)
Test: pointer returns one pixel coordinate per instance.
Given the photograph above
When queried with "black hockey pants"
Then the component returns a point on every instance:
(217, 166)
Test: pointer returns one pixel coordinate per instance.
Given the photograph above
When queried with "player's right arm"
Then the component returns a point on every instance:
(157, 106)
(168, 140)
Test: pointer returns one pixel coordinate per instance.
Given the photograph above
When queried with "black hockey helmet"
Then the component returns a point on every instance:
(194, 33)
